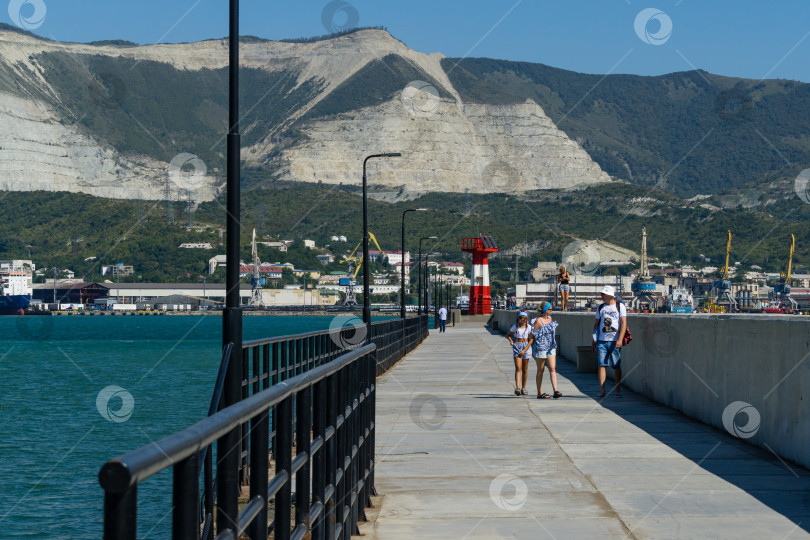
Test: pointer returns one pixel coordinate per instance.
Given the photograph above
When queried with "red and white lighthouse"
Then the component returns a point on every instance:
(481, 247)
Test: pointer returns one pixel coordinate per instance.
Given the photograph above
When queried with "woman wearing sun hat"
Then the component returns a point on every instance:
(520, 337)
(544, 349)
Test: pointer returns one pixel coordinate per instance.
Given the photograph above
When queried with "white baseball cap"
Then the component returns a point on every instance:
(608, 290)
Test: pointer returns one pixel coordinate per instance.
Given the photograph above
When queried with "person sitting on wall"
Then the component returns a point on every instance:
(563, 280)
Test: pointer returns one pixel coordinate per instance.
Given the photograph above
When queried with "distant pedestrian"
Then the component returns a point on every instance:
(608, 335)
(442, 318)
(544, 349)
(563, 280)
(520, 337)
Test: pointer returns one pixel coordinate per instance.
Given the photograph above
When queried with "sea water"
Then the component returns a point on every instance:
(77, 391)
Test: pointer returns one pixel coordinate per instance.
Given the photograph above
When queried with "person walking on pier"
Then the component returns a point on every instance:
(521, 338)
(564, 278)
(442, 318)
(608, 335)
(544, 349)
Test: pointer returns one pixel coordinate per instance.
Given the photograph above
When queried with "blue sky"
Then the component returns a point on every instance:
(747, 38)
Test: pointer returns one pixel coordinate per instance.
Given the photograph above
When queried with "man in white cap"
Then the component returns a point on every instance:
(608, 334)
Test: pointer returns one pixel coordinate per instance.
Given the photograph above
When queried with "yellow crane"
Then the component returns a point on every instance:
(352, 258)
(790, 259)
(723, 285)
(728, 253)
(782, 289)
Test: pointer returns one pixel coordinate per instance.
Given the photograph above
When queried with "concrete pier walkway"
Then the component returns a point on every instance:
(460, 456)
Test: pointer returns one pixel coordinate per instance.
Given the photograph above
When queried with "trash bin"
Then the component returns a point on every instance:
(586, 359)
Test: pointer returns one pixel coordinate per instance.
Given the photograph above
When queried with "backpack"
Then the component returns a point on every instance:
(628, 337)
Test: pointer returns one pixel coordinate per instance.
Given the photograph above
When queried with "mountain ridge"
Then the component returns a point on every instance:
(314, 107)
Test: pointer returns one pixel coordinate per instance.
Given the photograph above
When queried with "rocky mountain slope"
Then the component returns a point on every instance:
(127, 121)
(119, 120)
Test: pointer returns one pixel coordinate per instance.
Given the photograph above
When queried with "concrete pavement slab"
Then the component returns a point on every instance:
(459, 456)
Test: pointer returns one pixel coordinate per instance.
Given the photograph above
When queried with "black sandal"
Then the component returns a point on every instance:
(544, 396)
(557, 394)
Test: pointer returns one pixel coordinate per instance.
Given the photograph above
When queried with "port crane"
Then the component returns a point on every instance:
(722, 287)
(782, 289)
(356, 263)
(256, 282)
(644, 286)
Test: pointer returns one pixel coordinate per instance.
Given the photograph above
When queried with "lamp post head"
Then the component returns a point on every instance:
(433, 237)
(391, 154)
(421, 209)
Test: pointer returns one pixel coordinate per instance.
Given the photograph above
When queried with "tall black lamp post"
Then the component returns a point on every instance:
(366, 288)
(228, 447)
(419, 263)
(402, 276)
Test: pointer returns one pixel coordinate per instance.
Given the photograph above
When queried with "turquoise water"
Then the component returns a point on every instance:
(53, 437)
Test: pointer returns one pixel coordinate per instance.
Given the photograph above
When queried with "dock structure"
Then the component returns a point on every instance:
(460, 456)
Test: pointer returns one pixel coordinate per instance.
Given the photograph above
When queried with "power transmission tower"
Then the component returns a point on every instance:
(190, 208)
(167, 196)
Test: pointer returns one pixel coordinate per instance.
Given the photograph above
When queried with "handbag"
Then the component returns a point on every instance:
(628, 337)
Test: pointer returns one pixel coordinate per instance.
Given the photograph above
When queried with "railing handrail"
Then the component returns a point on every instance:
(122, 473)
(278, 339)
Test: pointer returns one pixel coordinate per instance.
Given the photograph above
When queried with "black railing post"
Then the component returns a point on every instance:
(284, 436)
(120, 515)
(353, 446)
(259, 447)
(275, 378)
(185, 497)
(372, 421)
(331, 456)
(244, 432)
(303, 425)
(319, 460)
(208, 497)
(341, 490)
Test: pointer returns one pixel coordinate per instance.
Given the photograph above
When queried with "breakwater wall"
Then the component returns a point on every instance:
(747, 374)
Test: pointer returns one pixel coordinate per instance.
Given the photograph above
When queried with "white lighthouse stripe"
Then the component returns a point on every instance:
(480, 275)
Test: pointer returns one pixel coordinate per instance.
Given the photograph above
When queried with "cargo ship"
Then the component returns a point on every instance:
(15, 292)
(680, 302)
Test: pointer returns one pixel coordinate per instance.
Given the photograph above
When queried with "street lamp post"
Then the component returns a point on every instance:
(228, 446)
(402, 276)
(366, 287)
(419, 280)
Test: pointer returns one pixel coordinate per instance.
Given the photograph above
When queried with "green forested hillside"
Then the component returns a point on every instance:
(64, 229)
(688, 133)
(152, 108)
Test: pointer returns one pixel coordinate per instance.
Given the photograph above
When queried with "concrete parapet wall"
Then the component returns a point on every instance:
(701, 364)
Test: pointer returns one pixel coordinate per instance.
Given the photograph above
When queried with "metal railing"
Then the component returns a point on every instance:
(334, 403)
(296, 380)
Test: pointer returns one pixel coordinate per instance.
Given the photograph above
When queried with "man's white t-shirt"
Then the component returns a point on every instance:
(608, 316)
(442, 314)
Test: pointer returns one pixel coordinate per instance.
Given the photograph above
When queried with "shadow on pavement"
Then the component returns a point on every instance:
(780, 485)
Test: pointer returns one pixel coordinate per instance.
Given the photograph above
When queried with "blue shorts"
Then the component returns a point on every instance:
(542, 355)
(608, 355)
(517, 347)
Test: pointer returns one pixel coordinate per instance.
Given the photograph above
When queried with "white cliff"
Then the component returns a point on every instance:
(448, 145)
(480, 148)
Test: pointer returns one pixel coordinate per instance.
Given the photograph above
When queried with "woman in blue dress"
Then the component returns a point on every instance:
(544, 349)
